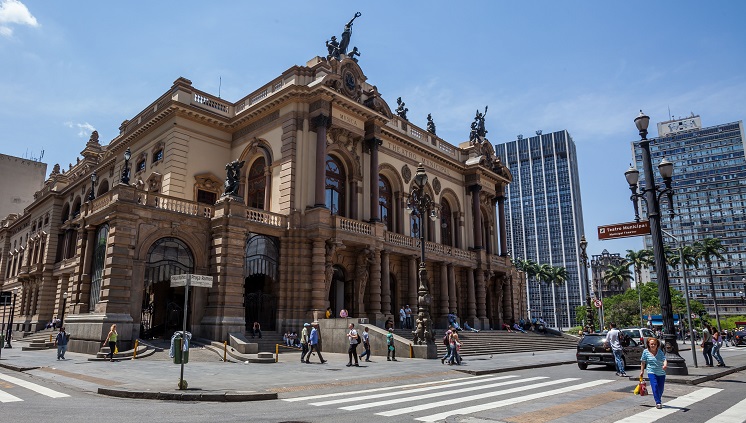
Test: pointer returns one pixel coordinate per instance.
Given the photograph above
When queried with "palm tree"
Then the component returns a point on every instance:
(530, 269)
(544, 273)
(639, 259)
(706, 250)
(558, 277)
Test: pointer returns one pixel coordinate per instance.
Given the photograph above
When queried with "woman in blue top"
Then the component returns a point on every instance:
(655, 360)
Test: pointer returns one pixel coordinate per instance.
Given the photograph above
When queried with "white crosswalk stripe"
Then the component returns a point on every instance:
(671, 407)
(28, 385)
(735, 414)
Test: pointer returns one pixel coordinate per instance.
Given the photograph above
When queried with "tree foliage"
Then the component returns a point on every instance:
(624, 310)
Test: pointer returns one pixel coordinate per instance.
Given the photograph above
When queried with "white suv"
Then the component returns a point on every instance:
(639, 334)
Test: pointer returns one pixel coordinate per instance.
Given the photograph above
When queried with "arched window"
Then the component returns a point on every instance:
(446, 225)
(76, 208)
(256, 186)
(103, 188)
(335, 186)
(97, 267)
(65, 212)
(385, 202)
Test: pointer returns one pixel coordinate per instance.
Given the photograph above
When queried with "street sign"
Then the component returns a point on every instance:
(624, 230)
(185, 279)
(597, 303)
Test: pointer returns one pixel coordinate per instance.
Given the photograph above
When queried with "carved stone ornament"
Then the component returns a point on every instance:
(436, 185)
(406, 173)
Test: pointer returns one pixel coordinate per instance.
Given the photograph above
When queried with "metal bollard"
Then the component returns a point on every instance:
(50, 337)
(134, 352)
(225, 351)
(277, 353)
(411, 351)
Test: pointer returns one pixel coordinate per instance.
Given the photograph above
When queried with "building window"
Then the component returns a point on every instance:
(158, 155)
(206, 197)
(385, 202)
(335, 186)
(446, 225)
(140, 166)
(97, 267)
(256, 185)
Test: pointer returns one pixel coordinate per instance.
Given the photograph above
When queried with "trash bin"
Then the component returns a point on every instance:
(179, 353)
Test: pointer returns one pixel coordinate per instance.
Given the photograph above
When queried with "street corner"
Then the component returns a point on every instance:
(193, 395)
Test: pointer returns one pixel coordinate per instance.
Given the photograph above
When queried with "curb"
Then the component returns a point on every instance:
(511, 369)
(212, 396)
(18, 368)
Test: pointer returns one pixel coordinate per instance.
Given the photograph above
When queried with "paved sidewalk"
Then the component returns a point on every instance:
(210, 379)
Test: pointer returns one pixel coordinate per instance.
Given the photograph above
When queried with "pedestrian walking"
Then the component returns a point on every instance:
(454, 346)
(366, 345)
(447, 343)
(707, 345)
(391, 355)
(717, 343)
(313, 339)
(612, 339)
(111, 339)
(402, 318)
(304, 341)
(354, 339)
(408, 312)
(60, 341)
(256, 330)
(655, 360)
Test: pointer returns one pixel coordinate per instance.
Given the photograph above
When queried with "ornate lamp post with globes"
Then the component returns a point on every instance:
(126, 171)
(589, 311)
(651, 194)
(420, 203)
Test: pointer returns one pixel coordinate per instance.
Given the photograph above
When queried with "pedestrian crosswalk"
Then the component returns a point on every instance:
(7, 397)
(438, 400)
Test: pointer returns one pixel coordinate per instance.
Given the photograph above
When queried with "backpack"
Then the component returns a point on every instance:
(446, 339)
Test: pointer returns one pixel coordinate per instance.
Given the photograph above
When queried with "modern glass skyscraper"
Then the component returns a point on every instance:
(710, 195)
(545, 218)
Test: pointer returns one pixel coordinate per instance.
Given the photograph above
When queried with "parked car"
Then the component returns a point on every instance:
(739, 336)
(591, 350)
(639, 334)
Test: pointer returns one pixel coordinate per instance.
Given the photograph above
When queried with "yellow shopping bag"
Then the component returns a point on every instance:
(116, 350)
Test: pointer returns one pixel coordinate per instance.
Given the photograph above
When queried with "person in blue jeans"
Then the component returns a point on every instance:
(61, 343)
(655, 360)
(612, 339)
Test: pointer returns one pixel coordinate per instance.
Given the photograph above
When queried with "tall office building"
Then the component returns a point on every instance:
(709, 181)
(545, 218)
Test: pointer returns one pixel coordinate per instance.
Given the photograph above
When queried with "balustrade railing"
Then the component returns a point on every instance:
(101, 202)
(351, 225)
(401, 240)
(262, 216)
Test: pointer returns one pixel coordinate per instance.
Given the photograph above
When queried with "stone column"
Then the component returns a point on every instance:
(502, 229)
(471, 301)
(477, 214)
(399, 215)
(267, 186)
(319, 293)
(385, 283)
(321, 122)
(412, 284)
(444, 297)
(481, 296)
(86, 241)
(353, 201)
(375, 210)
(375, 290)
(452, 300)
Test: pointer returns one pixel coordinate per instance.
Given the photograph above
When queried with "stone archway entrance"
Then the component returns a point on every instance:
(162, 306)
(261, 261)
(341, 293)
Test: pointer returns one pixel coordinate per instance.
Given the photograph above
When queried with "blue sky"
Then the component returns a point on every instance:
(584, 66)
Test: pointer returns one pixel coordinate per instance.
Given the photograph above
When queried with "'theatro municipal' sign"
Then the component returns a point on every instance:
(624, 230)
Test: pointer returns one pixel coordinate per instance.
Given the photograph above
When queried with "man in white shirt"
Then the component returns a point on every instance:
(354, 340)
(612, 338)
(402, 317)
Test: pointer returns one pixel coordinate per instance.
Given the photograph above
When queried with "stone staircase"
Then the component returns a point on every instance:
(268, 341)
(500, 342)
(42, 340)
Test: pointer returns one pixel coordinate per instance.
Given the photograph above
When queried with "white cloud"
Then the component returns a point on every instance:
(84, 129)
(14, 12)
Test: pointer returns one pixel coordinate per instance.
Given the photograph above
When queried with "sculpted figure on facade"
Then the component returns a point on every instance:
(232, 178)
(332, 47)
(401, 111)
(478, 130)
(353, 53)
(430, 124)
(362, 271)
(347, 34)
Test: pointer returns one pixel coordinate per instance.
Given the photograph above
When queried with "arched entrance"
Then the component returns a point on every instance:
(162, 306)
(395, 304)
(260, 274)
(342, 293)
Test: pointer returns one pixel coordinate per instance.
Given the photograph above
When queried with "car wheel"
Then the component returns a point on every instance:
(582, 366)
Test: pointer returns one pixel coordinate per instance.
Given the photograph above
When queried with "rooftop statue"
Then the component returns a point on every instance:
(430, 124)
(401, 111)
(353, 53)
(337, 48)
(478, 131)
(233, 176)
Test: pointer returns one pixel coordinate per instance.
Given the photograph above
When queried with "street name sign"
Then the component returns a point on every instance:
(624, 230)
(189, 279)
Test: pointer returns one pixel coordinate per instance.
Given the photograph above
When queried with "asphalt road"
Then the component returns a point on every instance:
(557, 394)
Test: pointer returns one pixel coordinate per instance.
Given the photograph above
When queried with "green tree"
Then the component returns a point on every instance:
(544, 274)
(531, 269)
(556, 276)
(639, 260)
(707, 249)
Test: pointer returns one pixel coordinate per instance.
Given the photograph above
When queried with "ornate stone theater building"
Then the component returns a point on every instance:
(315, 216)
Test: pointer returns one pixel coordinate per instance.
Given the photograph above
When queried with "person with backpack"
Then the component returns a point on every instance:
(61, 343)
(455, 345)
(447, 343)
(366, 345)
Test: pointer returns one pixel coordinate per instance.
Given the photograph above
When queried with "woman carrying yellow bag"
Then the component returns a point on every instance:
(641, 389)
(111, 338)
(655, 360)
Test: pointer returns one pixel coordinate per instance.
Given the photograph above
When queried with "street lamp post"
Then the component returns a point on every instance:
(92, 194)
(10, 321)
(588, 305)
(126, 171)
(595, 265)
(651, 195)
(420, 203)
